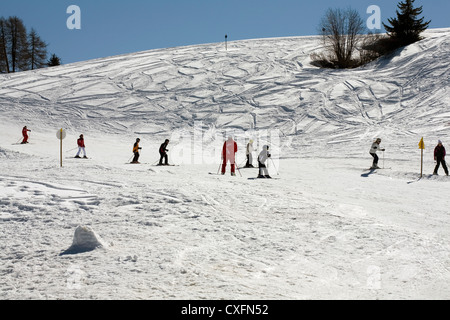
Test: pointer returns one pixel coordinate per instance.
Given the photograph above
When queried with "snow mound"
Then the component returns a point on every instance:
(7, 154)
(84, 240)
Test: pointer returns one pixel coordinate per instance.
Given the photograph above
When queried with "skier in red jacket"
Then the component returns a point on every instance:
(229, 154)
(25, 134)
(81, 147)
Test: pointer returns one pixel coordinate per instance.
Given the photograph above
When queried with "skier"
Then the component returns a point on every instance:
(262, 158)
(163, 153)
(373, 152)
(439, 157)
(249, 152)
(229, 154)
(136, 149)
(25, 134)
(81, 147)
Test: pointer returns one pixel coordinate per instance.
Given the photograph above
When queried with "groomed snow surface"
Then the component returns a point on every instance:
(325, 228)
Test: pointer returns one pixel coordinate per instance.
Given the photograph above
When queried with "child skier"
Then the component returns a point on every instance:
(262, 158)
(163, 153)
(136, 149)
(229, 154)
(439, 157)
(81, 147)
(373, 152)
(249, 152)
(25, 135)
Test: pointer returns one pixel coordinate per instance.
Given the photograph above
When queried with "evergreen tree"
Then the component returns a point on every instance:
(407, 27)
(54, 61)
(37, 54)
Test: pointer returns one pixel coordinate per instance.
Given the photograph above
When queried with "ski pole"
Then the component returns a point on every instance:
(274, 166)
(220, 164)
(383, 159)
(130, 158)
(71, 150)
(239, 169)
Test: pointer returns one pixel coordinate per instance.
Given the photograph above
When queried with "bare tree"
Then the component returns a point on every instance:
(342, 33)
(20, 51)
(16, 44)
(4, 65)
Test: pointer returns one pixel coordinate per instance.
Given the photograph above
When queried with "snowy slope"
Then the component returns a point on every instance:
(325, 229)
(257, 84)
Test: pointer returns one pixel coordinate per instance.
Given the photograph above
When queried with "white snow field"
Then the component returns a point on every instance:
(326, 228)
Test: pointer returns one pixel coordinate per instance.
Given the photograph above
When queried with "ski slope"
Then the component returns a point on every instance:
(326, 228)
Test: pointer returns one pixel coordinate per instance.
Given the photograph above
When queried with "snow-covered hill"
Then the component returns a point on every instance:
(256, 84)
(325, 229)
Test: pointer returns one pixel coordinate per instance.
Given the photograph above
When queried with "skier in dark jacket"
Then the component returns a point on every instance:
(163, 153)
(439, 157)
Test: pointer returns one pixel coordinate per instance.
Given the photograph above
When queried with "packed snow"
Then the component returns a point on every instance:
(324, 228)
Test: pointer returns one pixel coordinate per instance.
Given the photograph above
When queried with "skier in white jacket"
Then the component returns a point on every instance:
(262, 158)
(373, 152)
(249, 153)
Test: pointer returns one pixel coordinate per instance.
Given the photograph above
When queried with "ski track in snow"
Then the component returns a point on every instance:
(326, 230)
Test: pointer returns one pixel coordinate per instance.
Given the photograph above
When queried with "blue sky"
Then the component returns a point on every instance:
(112, 27)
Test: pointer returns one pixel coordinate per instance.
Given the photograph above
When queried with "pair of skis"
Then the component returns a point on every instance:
(255, 178)
(154, 165)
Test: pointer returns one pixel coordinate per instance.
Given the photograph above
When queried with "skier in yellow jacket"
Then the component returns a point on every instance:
(136, 149)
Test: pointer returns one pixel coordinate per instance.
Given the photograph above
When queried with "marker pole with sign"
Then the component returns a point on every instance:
(61, 134)
(421, 147)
